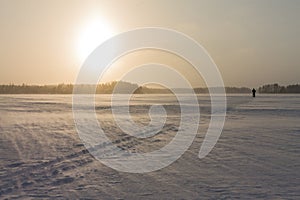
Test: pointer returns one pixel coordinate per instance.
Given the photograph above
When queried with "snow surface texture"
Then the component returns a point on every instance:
(257, 155)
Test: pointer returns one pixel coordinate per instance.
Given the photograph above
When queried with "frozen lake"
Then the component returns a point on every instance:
(257, 155)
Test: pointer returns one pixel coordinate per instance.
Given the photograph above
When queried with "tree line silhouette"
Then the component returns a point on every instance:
(276, 88)
(124, 87)
(103, 88)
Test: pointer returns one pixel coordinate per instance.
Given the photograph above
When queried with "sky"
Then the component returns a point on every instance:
(252, 42)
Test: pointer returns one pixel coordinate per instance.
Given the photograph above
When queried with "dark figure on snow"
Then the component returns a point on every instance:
(253, 92)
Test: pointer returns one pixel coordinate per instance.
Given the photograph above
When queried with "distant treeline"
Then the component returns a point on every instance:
(125, 87)
(216, 90)
(104, 88)
(276, 88)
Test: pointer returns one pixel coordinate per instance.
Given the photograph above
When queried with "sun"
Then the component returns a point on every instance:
(92, 34)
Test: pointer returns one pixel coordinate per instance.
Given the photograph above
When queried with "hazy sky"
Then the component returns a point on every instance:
(253, 42)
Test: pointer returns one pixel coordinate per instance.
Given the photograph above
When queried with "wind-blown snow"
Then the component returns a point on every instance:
(257, 155)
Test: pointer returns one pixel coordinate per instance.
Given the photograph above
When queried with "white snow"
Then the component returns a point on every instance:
(257, 155)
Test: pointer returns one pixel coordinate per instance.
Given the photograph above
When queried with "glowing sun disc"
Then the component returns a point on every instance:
(92, 35)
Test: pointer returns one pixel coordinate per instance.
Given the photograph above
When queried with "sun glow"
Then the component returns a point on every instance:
(94, 33)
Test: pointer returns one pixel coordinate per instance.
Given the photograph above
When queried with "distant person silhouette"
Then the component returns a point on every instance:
(253, 92)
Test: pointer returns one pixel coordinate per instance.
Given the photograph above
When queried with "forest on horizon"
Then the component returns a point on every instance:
(124, 87)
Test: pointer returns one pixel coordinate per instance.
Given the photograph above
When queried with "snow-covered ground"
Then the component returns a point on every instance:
(257, 155)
